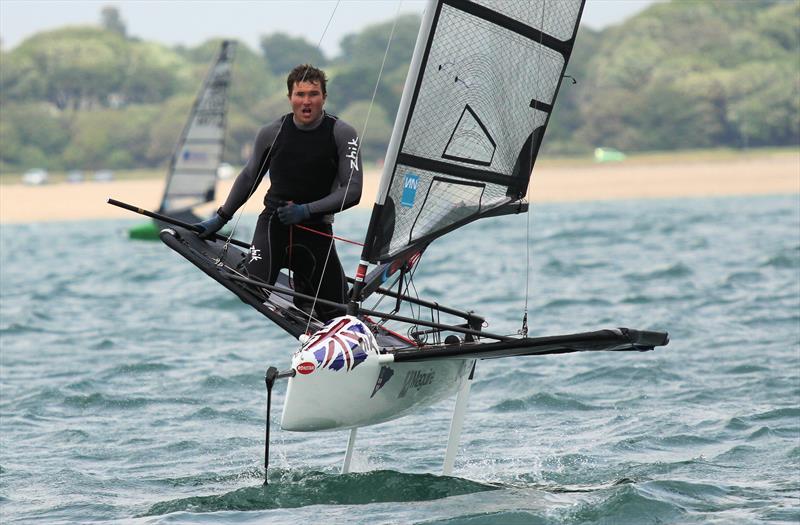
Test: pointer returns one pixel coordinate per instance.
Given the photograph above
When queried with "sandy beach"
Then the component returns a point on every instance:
(552, 182)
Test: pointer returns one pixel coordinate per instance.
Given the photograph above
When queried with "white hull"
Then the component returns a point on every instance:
(374, 390)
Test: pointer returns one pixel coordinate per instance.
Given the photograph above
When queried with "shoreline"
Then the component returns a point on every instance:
(757, 175)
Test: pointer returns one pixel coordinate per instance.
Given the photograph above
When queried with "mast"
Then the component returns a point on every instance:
(394, 145)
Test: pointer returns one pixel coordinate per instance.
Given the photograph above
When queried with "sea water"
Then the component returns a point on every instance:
(132, 385)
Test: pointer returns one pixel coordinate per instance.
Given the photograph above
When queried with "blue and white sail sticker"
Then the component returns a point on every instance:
(410, 183)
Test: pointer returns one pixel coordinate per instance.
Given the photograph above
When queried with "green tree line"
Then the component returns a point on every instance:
(678, 75)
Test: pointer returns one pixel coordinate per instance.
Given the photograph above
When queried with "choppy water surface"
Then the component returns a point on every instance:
(131, 385)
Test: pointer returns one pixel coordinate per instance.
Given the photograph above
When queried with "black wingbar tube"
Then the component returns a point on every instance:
(621, 339)
(382, 315)
(169, 220)
(470, 317)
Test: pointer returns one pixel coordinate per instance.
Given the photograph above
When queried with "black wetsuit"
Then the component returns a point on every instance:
(317, 165)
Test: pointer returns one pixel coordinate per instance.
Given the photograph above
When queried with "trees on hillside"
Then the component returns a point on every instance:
(678, 75)
(283, 52)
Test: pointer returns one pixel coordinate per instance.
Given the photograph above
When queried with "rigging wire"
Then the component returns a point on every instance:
(381, 297)
(358, 152)
(523, 331)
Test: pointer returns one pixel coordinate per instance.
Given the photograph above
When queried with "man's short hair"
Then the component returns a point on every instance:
(306, 73)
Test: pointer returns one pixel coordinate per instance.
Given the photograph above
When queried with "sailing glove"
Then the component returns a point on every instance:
(211, 226)
(293, 213)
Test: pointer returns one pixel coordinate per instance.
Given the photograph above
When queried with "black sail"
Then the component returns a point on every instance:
(480, 91)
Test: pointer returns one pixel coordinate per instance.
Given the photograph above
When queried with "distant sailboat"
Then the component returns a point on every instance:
(192, 176)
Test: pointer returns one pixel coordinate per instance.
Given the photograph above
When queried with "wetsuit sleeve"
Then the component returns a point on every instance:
(346, 190)
(248, 180)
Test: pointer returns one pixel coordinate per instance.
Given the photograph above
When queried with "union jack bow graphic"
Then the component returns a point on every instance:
(343, 343)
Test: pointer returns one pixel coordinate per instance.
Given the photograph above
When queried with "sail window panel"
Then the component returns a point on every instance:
(474, 106)
(555, 17)
(438, 203)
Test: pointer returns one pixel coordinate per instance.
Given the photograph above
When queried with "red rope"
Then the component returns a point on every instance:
(328, 235)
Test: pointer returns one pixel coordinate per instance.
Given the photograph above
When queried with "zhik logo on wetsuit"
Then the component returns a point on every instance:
(255, 254)
(410, 183)
(352, 154)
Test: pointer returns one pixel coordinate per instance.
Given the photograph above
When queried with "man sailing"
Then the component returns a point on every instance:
(315, 171)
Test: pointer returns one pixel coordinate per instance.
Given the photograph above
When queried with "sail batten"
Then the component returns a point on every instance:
(480, 93)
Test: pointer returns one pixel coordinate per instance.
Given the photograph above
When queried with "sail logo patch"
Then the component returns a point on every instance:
(410, 183)
(194, 156)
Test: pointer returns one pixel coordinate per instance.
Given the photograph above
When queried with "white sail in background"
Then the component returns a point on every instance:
(479, 94)
(193, 171)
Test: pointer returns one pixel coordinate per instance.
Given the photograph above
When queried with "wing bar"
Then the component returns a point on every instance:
(614, 340)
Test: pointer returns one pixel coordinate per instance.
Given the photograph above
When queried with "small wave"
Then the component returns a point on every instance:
(542, 401)
(579, 233)
(211, 414)
(36, 400)
(103, 344)
(747, 369)
(762, 321)
(559, 267)
(219, 303)
(739, 453)
(72, 436)
(627, 504)
(99, 400)
(96, 399)
(237, 381)
(137, 368)
(791, 413)
(561, 303)
(291, 490)
(673, 271)
(20, 329)
(760, 433)
(625, 375)
(784, 260)
(692, 495)
(742, 278)
(737, 423)
(208, 478)
(678, 441)
(182, 446)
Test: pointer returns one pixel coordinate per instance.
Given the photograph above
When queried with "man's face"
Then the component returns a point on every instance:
(307, 101)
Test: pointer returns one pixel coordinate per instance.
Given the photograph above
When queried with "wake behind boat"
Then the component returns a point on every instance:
(479, 94)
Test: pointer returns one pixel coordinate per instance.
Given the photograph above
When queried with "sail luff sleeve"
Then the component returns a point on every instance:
(375, 226)
(485, 84)
(403, 110)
